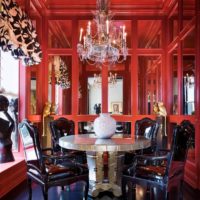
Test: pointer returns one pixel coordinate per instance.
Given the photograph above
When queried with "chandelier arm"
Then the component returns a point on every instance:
(120, 61)
(90, 63)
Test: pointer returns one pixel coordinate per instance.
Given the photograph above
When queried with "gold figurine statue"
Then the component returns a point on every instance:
(53, 109)
(159, 109)
(46, 113)
(162, 109)
(155, 108)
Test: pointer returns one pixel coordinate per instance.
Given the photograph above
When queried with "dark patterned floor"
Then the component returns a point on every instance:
(75, 192)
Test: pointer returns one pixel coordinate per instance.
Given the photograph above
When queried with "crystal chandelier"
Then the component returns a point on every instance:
(112, 79)
(108, 45)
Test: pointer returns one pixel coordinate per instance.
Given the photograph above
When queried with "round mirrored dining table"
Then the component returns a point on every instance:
(105, 158)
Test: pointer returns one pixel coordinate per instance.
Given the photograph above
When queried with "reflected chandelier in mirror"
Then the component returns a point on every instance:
(112, 79)
(60, 72)
(108, 45)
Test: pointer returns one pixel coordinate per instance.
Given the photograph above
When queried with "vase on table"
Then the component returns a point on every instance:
(104, 126)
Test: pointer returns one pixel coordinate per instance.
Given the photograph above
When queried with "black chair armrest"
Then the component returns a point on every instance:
(32, 166)
(151, 157)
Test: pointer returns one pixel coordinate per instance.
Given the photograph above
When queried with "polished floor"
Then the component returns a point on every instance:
(75, 192)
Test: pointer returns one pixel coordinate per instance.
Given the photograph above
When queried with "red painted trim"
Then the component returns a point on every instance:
(104, 74)
(45, 61)
(197, 90)
(134, 70)
(75, 71)
(63, 51)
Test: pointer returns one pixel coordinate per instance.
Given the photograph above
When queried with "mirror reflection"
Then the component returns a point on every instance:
(173, 23)
(149, 88)
(188, 84)
(58, 37)
(115, 94)
(149, 34)
(121, 127)
(90, 89)
(59, 83)
(33, 104)
(188, 11)
(174, 63)
(94, 94)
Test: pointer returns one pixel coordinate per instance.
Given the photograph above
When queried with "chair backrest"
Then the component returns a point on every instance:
(179, 148)
(31, 144)
(185, 134)
(146, 127)
(58, 129)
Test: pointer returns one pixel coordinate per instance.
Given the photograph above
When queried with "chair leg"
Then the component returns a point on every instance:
(86, 189)
(45, 192)
(165, 194)
(124, 196)
(131, 191)
(181, 190)
(29, 188)
(148, 193)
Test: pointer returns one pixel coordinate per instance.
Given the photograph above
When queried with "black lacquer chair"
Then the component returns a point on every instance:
(164, 170)
(147, 128)
(59, 128)
(42, 169)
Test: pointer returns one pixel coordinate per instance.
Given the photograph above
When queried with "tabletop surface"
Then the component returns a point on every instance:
(89, 142)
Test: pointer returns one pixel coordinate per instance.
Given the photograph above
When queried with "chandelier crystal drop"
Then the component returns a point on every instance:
(108, 45)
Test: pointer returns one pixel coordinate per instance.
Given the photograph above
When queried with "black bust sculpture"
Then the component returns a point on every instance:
(97, 108)
(6, 127)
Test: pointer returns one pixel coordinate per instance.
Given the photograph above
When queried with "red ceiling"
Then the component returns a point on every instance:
(52, 3)
(81, 7)
(120, 7)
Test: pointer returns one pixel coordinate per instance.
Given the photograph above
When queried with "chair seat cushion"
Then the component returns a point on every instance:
(151, 172)
(65, 170)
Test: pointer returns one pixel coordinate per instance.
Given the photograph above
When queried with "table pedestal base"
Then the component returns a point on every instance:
(105, 172)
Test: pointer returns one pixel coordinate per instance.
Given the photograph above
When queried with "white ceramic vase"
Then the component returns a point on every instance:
(104, 126)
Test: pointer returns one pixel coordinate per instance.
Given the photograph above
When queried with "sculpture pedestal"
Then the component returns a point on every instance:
(6, 154)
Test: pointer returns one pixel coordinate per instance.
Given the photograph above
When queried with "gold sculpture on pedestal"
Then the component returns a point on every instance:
(160, 110)
(46, 113)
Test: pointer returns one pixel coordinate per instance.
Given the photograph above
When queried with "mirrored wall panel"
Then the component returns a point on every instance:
(149, 34)
(33, 101)
(174, 63)
(188, 11)
(85, 127)
(88, 127)
(188, 85)
(127, 29)
(189, 40)
(115, 93)
(90, 89)
(149, 88)
(173, 23)
(59, 84)
(59, 34)
(119, 88)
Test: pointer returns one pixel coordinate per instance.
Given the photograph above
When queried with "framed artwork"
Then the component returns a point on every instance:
(116, 107)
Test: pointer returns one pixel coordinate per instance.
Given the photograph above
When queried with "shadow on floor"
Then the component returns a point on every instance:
(75, 192)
